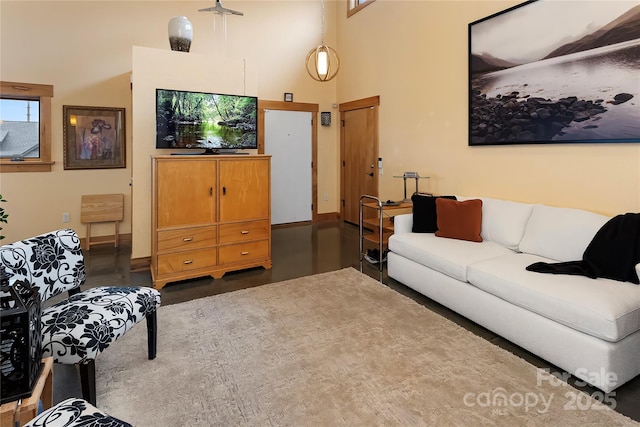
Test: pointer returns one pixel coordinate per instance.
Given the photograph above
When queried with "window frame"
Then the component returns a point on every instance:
(43, 94)
(353, 6)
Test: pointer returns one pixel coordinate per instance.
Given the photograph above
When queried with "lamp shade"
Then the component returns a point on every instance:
(322, 63)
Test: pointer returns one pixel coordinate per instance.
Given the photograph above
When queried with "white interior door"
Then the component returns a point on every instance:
(288, 139)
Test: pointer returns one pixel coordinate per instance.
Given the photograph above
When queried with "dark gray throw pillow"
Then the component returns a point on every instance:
(425, 219)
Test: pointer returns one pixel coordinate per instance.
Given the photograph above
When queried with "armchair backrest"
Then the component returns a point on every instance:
(52, 262)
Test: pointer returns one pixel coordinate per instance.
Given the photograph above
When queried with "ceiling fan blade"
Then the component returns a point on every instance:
(218, 8)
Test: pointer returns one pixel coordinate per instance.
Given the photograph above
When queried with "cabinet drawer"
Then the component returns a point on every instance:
(244, 251)
(189, 238)
(185, 261)
(244, 231)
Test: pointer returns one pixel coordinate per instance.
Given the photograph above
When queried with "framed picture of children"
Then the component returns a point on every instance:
(94, 137)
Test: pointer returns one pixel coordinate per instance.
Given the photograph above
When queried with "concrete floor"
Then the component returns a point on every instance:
(296, 251)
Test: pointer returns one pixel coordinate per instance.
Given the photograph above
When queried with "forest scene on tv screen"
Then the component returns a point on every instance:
(556, 72)
(205, 120)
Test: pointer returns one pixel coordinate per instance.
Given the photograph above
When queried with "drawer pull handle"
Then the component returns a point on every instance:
(189, 261)
(244, 253)
(244, 232)
(187, 239)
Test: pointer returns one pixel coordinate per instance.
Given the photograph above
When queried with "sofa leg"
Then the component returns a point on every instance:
(88, 381)
(152, 333)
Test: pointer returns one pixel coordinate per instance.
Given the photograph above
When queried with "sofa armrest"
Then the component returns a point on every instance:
(638, 270)
(402, 223)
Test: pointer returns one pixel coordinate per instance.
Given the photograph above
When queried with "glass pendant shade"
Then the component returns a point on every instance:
(180, 33)
(322, 63)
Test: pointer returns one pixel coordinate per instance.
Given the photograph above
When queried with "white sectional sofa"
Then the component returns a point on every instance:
(588, 327)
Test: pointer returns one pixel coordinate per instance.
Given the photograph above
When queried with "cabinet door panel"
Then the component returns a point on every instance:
(244, 189)
(186, 193)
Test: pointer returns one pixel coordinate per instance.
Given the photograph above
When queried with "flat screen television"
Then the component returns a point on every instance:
(214, 122)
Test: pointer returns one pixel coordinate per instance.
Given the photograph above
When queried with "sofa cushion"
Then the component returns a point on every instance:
(603, 308)
(459, 220)
(448, 256)
(504, 221)
(613, 253)
(560, 234)
(424, 213)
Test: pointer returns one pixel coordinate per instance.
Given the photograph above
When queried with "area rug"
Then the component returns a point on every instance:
(332, 349)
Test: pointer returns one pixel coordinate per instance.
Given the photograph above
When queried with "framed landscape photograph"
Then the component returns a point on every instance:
(93, 137)
(555, 72)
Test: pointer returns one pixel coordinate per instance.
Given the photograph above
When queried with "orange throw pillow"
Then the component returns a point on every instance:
(459, 220)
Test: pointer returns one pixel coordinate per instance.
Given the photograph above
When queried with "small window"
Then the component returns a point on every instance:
(19, 128)
(357, 5)
(25, 127)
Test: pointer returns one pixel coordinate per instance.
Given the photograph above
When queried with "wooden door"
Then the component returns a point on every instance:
(288, 141)
(186, 192)
(244, 189)
(359, 150)
(264, 109)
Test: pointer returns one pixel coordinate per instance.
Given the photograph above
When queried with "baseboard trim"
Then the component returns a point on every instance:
(140, 264)
(290, 224)
(327, 217)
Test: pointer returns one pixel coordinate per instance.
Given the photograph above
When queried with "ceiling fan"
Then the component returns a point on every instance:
(221, 10)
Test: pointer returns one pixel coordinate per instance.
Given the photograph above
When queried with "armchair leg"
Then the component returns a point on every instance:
(88, 381)
(152, 333)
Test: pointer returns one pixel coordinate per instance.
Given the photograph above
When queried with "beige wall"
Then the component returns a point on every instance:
(411, 53)
(414, 55)
(84, 49)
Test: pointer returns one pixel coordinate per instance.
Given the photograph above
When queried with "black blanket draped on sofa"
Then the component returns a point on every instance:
(613, 253)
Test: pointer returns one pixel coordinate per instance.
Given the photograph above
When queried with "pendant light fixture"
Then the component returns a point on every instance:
(322, 61)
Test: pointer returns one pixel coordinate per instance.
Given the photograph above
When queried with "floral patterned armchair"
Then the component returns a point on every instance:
(77, 329)
(75, 412)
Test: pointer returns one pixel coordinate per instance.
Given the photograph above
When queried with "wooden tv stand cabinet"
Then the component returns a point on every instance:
(210, 215)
